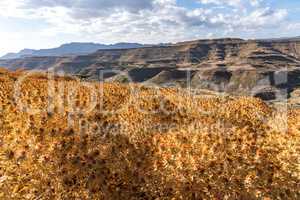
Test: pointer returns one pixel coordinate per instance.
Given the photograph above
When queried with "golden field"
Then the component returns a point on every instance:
(134, 142)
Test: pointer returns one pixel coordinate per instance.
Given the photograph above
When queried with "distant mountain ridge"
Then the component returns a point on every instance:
(265, 68)
(75, 48)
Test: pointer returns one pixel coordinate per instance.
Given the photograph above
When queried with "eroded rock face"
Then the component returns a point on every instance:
(226, 65)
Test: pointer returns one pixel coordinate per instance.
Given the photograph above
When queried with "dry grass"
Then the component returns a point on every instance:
(189, 148)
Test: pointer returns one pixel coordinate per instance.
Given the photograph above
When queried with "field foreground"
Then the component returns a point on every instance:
(146, 144)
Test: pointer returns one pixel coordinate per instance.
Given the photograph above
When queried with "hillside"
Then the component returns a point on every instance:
(262, 68)
(146, 144)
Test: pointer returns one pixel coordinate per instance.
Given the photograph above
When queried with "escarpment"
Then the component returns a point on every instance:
(227, 65)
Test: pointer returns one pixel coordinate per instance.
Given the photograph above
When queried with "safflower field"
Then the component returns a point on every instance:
(137, 142)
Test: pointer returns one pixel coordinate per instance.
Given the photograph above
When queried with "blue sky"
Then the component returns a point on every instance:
(48, 23)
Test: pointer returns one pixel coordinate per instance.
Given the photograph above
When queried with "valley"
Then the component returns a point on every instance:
(268, 69)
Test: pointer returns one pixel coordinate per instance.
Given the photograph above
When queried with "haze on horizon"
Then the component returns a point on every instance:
(40, 24)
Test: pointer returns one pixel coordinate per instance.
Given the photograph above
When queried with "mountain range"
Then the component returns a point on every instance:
(75, 48)
(269, 68)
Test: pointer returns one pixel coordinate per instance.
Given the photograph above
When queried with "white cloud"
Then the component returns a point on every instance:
(147, 21)
(233, 3)
(222, 2)
(9, 8)
(265, 17)
(6, 39)
(256, 2)
(293, 27)
(91, 8)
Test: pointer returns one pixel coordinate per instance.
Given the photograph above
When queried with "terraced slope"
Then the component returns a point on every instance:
(146, 144)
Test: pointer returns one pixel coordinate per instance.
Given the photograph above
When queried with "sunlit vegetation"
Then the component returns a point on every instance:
(158, 144)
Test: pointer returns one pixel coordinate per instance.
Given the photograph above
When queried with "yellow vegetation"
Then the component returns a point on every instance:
(141, 143)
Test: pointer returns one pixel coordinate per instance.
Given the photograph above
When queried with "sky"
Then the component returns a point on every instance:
(38, 24)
